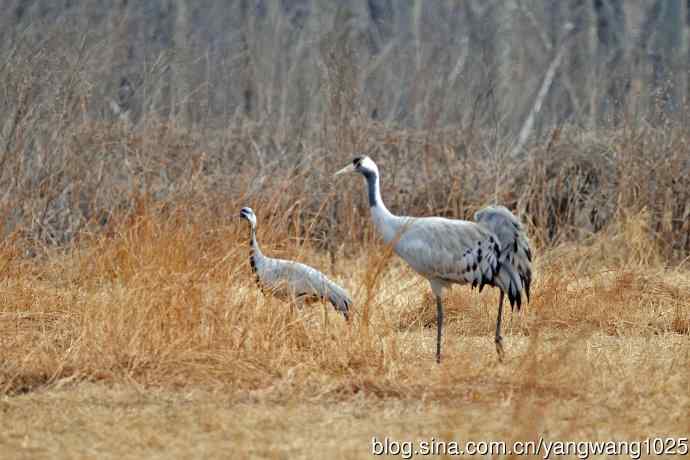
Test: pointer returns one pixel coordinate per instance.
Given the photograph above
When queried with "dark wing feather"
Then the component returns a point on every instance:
(515, 249)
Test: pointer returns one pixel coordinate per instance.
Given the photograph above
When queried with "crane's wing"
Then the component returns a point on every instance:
(284, 277)
(451, 250)
(515, 249)
(457, 251)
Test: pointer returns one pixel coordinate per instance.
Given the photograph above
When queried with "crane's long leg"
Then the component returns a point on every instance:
(439, 327)
(499, 340)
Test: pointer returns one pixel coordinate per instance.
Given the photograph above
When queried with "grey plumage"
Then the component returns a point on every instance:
(287, 279)
(449, 251)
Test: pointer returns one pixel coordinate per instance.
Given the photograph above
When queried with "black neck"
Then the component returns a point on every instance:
(372, 185)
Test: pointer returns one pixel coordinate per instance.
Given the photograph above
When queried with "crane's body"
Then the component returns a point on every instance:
(289, 280)
(449, 251)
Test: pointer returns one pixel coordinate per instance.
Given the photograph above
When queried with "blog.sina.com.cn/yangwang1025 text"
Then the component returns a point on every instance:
(661, 446)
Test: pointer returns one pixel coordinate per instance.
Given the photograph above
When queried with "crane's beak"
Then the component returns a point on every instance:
(347, 169)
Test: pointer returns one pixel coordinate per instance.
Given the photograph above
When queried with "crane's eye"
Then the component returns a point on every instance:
(357, 162)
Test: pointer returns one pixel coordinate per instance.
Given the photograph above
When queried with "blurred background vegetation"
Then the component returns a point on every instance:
(573, 112)
(418, 64)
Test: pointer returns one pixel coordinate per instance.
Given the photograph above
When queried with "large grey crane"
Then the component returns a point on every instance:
(286, 279)
(494, 250)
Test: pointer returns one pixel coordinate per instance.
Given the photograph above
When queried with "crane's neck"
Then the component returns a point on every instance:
(255, 254)
(386, 223)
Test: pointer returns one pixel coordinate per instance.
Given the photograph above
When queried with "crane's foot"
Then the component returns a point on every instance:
(499, 348)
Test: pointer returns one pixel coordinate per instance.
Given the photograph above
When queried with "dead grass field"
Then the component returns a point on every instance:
(152, 341)
(130, 324)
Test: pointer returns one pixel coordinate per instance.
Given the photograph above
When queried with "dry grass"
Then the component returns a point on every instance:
(130, 324)
(153, 341)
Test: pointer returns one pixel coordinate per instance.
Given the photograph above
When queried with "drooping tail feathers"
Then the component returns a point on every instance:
(508, 281)
(515, 251)
(339, 298)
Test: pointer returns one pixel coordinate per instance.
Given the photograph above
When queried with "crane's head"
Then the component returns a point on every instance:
(247, 213)
(361, 164)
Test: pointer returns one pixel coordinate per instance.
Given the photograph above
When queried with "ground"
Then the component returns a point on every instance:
(620, 389)
(143, 345)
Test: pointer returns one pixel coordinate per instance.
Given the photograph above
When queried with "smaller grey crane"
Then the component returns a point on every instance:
(286, 279)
